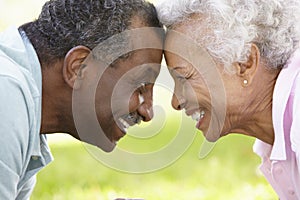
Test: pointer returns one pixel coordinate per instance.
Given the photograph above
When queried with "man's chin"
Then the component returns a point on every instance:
(99, 140)
(104, 146)
(108, 149)
(118, 134)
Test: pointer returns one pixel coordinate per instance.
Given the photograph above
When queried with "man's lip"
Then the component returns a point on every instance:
(123, 123)
(118, 136)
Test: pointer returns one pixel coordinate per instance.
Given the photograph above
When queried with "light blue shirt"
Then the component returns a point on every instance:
(23, 151)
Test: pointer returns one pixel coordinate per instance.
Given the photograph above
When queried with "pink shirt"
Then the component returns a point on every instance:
(281, 162)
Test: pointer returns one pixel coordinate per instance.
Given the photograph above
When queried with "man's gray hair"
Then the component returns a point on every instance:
(273, 25)
(64, 24)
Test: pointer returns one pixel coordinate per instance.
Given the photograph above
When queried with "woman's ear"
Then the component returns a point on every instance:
(73, 65)
(248, 69)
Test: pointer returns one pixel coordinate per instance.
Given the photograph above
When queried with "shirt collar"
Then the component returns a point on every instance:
(281, 95)
(17, 46)
(33, 62)
(34, 68)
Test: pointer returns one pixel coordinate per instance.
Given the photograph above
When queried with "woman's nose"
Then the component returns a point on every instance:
(178, 102)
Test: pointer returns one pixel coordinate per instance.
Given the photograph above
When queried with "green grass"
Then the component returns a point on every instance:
(228, 172)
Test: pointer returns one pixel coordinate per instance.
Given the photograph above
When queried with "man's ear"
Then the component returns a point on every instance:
(248, 69)
(73, 64)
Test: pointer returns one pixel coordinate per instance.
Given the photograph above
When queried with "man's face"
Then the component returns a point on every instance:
(124, 93)
(111, 98)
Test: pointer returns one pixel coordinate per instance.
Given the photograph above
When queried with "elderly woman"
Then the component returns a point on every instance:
(253, 47)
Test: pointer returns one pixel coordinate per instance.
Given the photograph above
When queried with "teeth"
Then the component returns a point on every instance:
(125, 124)
(198, 115)
(129, 120)
(202, 113)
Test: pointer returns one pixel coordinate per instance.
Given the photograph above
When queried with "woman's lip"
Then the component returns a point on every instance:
(191, 112)
(199, 123)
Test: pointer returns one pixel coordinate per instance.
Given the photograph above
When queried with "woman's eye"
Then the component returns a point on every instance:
(182, 77)
(182, 73)
(188, 74)
(179, 77)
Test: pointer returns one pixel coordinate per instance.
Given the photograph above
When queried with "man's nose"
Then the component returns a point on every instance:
(146, 104)
(178, 102)
(146, 111)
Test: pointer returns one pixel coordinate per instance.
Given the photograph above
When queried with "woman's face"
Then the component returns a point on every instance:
(211, 96)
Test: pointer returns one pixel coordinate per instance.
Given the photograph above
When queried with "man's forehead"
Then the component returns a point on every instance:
(129, 41)
(147, 37)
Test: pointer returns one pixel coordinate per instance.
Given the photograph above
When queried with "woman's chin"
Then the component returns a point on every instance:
(212, 136)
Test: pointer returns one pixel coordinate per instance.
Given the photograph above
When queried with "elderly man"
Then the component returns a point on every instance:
(50, 64)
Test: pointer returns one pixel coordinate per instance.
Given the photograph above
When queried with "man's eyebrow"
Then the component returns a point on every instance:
(152, 71)
(148, 75)
(148, 72)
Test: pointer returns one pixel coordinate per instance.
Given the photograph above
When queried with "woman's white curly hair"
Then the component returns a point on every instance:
(273, 25)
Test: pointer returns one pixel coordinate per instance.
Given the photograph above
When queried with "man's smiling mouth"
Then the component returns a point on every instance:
(129, 120)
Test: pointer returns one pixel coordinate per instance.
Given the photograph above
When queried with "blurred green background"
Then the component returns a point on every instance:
(230, 171)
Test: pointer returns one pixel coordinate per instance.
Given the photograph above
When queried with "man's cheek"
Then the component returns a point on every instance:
(134, 101)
